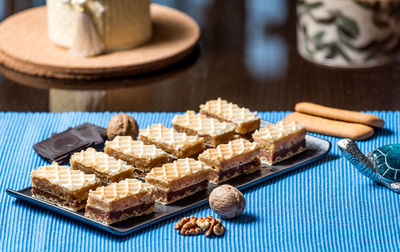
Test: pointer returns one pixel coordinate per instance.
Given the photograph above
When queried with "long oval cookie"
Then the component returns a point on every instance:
(339, 114)
(330, 127)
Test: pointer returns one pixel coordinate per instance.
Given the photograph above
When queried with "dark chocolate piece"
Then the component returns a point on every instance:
(60, 146)
(90, 132)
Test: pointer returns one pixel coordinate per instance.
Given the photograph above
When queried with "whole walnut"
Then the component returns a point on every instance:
(122, 125)
(227, 201)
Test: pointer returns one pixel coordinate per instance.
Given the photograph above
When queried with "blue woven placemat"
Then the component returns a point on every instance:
(326, 205)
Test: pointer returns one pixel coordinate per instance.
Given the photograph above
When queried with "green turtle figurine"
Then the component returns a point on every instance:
(382, 165)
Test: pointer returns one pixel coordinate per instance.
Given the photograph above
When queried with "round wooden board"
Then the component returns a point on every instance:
(24, 46)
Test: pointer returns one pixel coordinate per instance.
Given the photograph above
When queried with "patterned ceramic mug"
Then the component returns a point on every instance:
(349, 33)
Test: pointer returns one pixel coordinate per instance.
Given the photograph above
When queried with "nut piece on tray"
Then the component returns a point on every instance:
(213, 131)
(194, 226)
(246, 121)
(143, 157)
(105, 167)
(280, 141)
(177, 144)
(120, 201)
(231, 160)
(178, 180)
(63, 186)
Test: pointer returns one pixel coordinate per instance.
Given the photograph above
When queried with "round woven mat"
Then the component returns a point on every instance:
(24, 46)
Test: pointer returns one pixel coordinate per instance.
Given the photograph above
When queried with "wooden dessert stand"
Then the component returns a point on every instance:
(25, 47)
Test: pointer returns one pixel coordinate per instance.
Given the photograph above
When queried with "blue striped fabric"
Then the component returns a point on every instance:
(326, 205)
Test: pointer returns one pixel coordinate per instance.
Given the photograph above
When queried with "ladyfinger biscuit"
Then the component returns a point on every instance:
(339, 114)
(330, 127)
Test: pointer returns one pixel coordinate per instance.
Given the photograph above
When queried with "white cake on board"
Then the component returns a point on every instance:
(119, 23)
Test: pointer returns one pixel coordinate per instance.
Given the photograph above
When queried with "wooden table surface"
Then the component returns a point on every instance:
(247, 54)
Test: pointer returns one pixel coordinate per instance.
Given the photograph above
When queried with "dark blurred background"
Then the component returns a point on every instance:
(247, 54)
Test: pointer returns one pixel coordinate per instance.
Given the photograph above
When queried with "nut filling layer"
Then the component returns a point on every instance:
(115, 216)
(272, 157)
(165, 197)
(73, 205)
(223, 175)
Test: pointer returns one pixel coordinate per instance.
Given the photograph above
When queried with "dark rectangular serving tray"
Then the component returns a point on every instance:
(316, 149)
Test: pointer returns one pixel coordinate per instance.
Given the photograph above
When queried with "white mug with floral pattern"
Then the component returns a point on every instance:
(349, 33)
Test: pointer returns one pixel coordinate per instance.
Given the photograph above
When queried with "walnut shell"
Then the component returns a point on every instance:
(122, 125)
(227, 201)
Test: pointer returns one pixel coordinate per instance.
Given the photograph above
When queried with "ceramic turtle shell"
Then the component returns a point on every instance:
(387, 162)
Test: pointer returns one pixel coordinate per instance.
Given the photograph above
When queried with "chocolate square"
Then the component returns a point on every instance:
(60, 146)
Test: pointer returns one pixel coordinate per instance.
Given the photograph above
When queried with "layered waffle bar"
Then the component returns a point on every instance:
(280, 141)
(105, 167)
(120, 201)
(136, 153)
(232, 159)
(63, 186)
(245, 120)
(179, 145)
(177, 180)
(212, 130)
